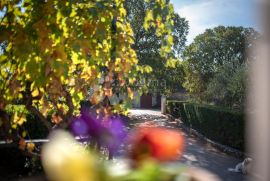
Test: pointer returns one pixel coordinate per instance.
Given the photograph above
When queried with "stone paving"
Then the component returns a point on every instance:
(197, 153)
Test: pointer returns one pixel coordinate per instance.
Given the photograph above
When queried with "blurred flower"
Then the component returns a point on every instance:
(107, 132)
(64, 159)
(158, 143)
(79, 127)
(88, 124)
(116, 134)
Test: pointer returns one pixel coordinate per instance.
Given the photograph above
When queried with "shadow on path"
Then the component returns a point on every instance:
(197, 152)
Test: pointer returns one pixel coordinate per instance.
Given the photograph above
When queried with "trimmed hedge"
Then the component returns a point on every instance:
(219, 124)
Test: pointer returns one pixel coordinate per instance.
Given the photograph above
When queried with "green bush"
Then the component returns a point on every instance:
(219, 124)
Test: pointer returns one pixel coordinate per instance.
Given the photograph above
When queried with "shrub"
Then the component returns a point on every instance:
(219, 124)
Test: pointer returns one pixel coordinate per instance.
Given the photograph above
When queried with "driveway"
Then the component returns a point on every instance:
(197, 153)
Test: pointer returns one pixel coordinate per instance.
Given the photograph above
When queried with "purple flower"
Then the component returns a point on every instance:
(117, 133)
(109, 132)
(79, 127)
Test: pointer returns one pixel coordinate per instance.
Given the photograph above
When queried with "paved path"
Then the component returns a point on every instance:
(197, 152)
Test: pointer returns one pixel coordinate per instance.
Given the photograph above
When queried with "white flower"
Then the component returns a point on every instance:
(64, 159)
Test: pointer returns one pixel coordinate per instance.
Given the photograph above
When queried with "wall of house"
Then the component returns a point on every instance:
(136, 102)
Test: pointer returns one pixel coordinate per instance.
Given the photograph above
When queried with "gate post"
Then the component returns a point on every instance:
(163, 104)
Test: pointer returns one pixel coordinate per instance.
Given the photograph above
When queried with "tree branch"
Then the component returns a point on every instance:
(68, 117)
(27, 99)
(70, 107)
(36, 112)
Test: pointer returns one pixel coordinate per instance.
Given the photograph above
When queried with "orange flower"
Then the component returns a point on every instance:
(158, 143)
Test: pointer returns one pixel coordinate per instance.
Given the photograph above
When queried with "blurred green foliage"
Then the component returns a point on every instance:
(163, 79)
(216, 65)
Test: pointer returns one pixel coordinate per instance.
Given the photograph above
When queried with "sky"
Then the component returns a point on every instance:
(203, 14)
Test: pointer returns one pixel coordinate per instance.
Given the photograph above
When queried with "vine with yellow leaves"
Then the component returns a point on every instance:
(53, 52)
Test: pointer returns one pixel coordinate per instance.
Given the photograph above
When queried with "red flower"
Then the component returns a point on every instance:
(158, 143)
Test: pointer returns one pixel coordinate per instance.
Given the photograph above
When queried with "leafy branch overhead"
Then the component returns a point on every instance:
(54, 52)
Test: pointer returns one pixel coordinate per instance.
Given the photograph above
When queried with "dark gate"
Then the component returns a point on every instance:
(146, 101)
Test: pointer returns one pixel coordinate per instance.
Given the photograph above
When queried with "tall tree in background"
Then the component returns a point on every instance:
(216, 64)
(147, 46)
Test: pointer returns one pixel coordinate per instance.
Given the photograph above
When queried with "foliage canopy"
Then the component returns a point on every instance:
(216, 64)
(163, 78)
(53, 52)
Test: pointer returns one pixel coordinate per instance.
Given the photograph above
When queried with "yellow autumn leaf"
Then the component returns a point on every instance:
(30, 147)
(58, 17)
(103, 19)
(24, 133)
(171, 63)
(122, 11)
(73, 13)
(35, 93)
(132, 80)
(19, 119)
(14, 126)
(80, 95)
(170, 39)
(75, 58)
(149, 15)
(130, 93)
(147, 69)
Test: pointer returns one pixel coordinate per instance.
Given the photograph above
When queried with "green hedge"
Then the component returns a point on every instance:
(219, 124)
